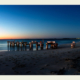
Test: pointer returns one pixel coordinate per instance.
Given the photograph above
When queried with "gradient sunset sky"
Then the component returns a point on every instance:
(39, 21)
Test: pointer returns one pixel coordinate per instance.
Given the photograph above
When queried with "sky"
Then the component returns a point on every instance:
(39, 21)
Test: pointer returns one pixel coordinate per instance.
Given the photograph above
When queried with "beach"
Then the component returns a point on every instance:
(61, 61)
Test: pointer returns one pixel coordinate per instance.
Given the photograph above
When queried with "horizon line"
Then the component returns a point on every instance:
(42, 38)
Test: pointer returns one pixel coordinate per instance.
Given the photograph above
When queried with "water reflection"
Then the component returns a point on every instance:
(23, 48)
(17, 48)
(8, 47)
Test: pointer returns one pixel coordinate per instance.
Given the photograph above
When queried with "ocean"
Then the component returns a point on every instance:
(4, 47)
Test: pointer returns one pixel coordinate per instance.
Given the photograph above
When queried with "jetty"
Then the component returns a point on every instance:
(52, 44)
(21, 44)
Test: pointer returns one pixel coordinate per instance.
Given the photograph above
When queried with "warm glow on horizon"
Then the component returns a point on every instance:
(12, 37)
(9, 36)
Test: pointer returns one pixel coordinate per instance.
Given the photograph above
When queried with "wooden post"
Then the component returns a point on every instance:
(10, 43)
(46, 45)
(13, 44)
(56, 45)
(20, 44)
(25, 44)
(30, 46)
(17, 44)
(8, 47)
(41, 46)
(36, 46)
(52, 46)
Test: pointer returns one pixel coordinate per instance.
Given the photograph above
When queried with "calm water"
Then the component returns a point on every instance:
(4, 47)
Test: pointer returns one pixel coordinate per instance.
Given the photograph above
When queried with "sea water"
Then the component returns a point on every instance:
(4, 47)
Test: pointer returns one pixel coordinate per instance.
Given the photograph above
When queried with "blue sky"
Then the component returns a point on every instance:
(39, 21)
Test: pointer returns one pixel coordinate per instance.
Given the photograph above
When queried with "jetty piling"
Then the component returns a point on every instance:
(17, 44)
(36, 46)
(12, 44)
(46, 46)
(20, 44)
(8, 43)
(41, 46)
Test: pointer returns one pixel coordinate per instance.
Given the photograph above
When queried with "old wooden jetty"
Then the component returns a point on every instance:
(52, 43)
(13, 43)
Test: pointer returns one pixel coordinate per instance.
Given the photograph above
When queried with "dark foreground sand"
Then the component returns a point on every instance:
(61, 61)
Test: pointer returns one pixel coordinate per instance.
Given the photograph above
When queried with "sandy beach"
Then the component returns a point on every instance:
(62, 61)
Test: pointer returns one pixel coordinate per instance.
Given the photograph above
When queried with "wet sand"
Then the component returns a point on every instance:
(62, 61)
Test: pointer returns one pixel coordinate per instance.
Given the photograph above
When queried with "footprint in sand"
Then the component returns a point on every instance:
(44, 53)
(34, 64)
(61, 71)
(47, 65)
(32, 58)
(41, 68)
(25, 58)
(52, 52)
(6, 65)
(21, 65)
(13, 68)
(53, 72)
(67, 59)
(16, 72)
(3, 63)
(28, 71)
(1, 55)
(9, 59)
(68, 51)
